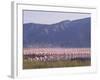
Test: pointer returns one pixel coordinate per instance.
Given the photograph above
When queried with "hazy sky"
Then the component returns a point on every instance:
(44, 17)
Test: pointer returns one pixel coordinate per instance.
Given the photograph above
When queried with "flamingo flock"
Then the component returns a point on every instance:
(54, 54)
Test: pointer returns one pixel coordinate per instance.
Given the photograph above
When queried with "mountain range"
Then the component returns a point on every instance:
(64, 34)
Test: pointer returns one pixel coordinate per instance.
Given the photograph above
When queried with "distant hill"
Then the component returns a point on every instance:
(67, 34)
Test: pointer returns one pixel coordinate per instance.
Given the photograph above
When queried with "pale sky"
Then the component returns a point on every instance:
(47, 17)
